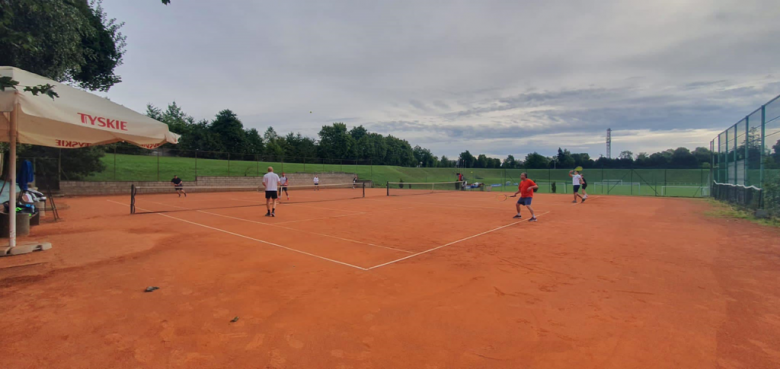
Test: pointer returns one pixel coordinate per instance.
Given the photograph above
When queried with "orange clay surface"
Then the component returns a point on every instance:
(617, 282)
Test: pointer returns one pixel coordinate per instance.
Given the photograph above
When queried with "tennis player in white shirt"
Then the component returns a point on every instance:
(271, 183)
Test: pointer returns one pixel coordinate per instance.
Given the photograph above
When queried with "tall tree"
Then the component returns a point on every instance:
(466, 159)
(358, 132)
(509, 162)
(336, 142)
(535, 160)
(65, 40)
(230, 132)
(482, 161)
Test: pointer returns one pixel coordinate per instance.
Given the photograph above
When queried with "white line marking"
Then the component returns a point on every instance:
(589, 197)
(250, 238)
(449, 244)
(304, 206)
(277, 225)
(331, 217)
(444, 205)
(299, 230)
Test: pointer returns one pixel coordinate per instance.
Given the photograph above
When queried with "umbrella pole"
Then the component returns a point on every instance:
(12, 178)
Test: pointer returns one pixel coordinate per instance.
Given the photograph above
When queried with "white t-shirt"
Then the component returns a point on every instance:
(283, 180)
(575, 180)
(316, 179)
(271, 181)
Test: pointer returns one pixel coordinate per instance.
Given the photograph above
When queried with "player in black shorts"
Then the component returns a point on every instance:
(283, 181)
(178, 185)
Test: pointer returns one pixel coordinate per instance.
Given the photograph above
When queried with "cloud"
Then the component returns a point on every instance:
(488, 76)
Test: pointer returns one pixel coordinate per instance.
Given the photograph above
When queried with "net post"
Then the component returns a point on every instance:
(388, 187)
(364, 189)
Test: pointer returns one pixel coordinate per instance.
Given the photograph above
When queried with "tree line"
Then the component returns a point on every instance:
(226, 134)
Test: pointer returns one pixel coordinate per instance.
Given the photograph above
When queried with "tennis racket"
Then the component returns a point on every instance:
(500, 198)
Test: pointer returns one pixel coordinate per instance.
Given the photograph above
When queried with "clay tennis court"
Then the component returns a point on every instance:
(445, 280)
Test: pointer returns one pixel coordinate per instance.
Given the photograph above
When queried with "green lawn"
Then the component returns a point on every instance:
(637, 182)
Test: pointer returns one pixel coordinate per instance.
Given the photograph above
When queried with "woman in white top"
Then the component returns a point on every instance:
(316, 183)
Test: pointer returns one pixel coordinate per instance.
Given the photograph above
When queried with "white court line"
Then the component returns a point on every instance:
(305, 206)
(249, 238)
(449, 244)
(589, 197)
(298, 230)
(278, 226)
(443, 205)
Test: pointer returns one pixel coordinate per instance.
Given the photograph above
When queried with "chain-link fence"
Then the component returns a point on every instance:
(130, 164)
(125, 163)
(746, 159)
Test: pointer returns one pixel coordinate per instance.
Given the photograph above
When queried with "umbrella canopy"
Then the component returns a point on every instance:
(76, 118)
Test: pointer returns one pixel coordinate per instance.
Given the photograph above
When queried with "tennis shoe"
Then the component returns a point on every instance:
(517, 216)
(574, 202)
(532, 219)
(268, 214)
(583, 200)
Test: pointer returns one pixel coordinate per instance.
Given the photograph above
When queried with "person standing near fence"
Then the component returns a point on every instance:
(271, 183)
(316, 183)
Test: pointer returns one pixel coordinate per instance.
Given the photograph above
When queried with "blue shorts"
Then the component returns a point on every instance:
(576, 188)
(525, 201)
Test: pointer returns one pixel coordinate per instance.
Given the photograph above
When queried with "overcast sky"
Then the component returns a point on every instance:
(493, 77)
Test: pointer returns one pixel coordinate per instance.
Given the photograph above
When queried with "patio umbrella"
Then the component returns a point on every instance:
(73, 120)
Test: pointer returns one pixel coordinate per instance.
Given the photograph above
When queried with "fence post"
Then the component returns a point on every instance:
(549, 180)
(371, 164)
(158, 165)
(746, 179)
(761, 156)
(282, 164)
(228, 164)
(735, 152)
(304, 164)
(632, 182)
(115, 162)
(196, 164)
(664, 191)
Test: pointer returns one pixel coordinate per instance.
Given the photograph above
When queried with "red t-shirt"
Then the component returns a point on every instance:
(525, 188)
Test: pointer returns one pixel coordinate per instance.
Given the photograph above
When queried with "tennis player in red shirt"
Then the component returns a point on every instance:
(526, 190)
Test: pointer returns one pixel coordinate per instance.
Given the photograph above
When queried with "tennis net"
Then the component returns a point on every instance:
(161, 199)
(424, 188)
